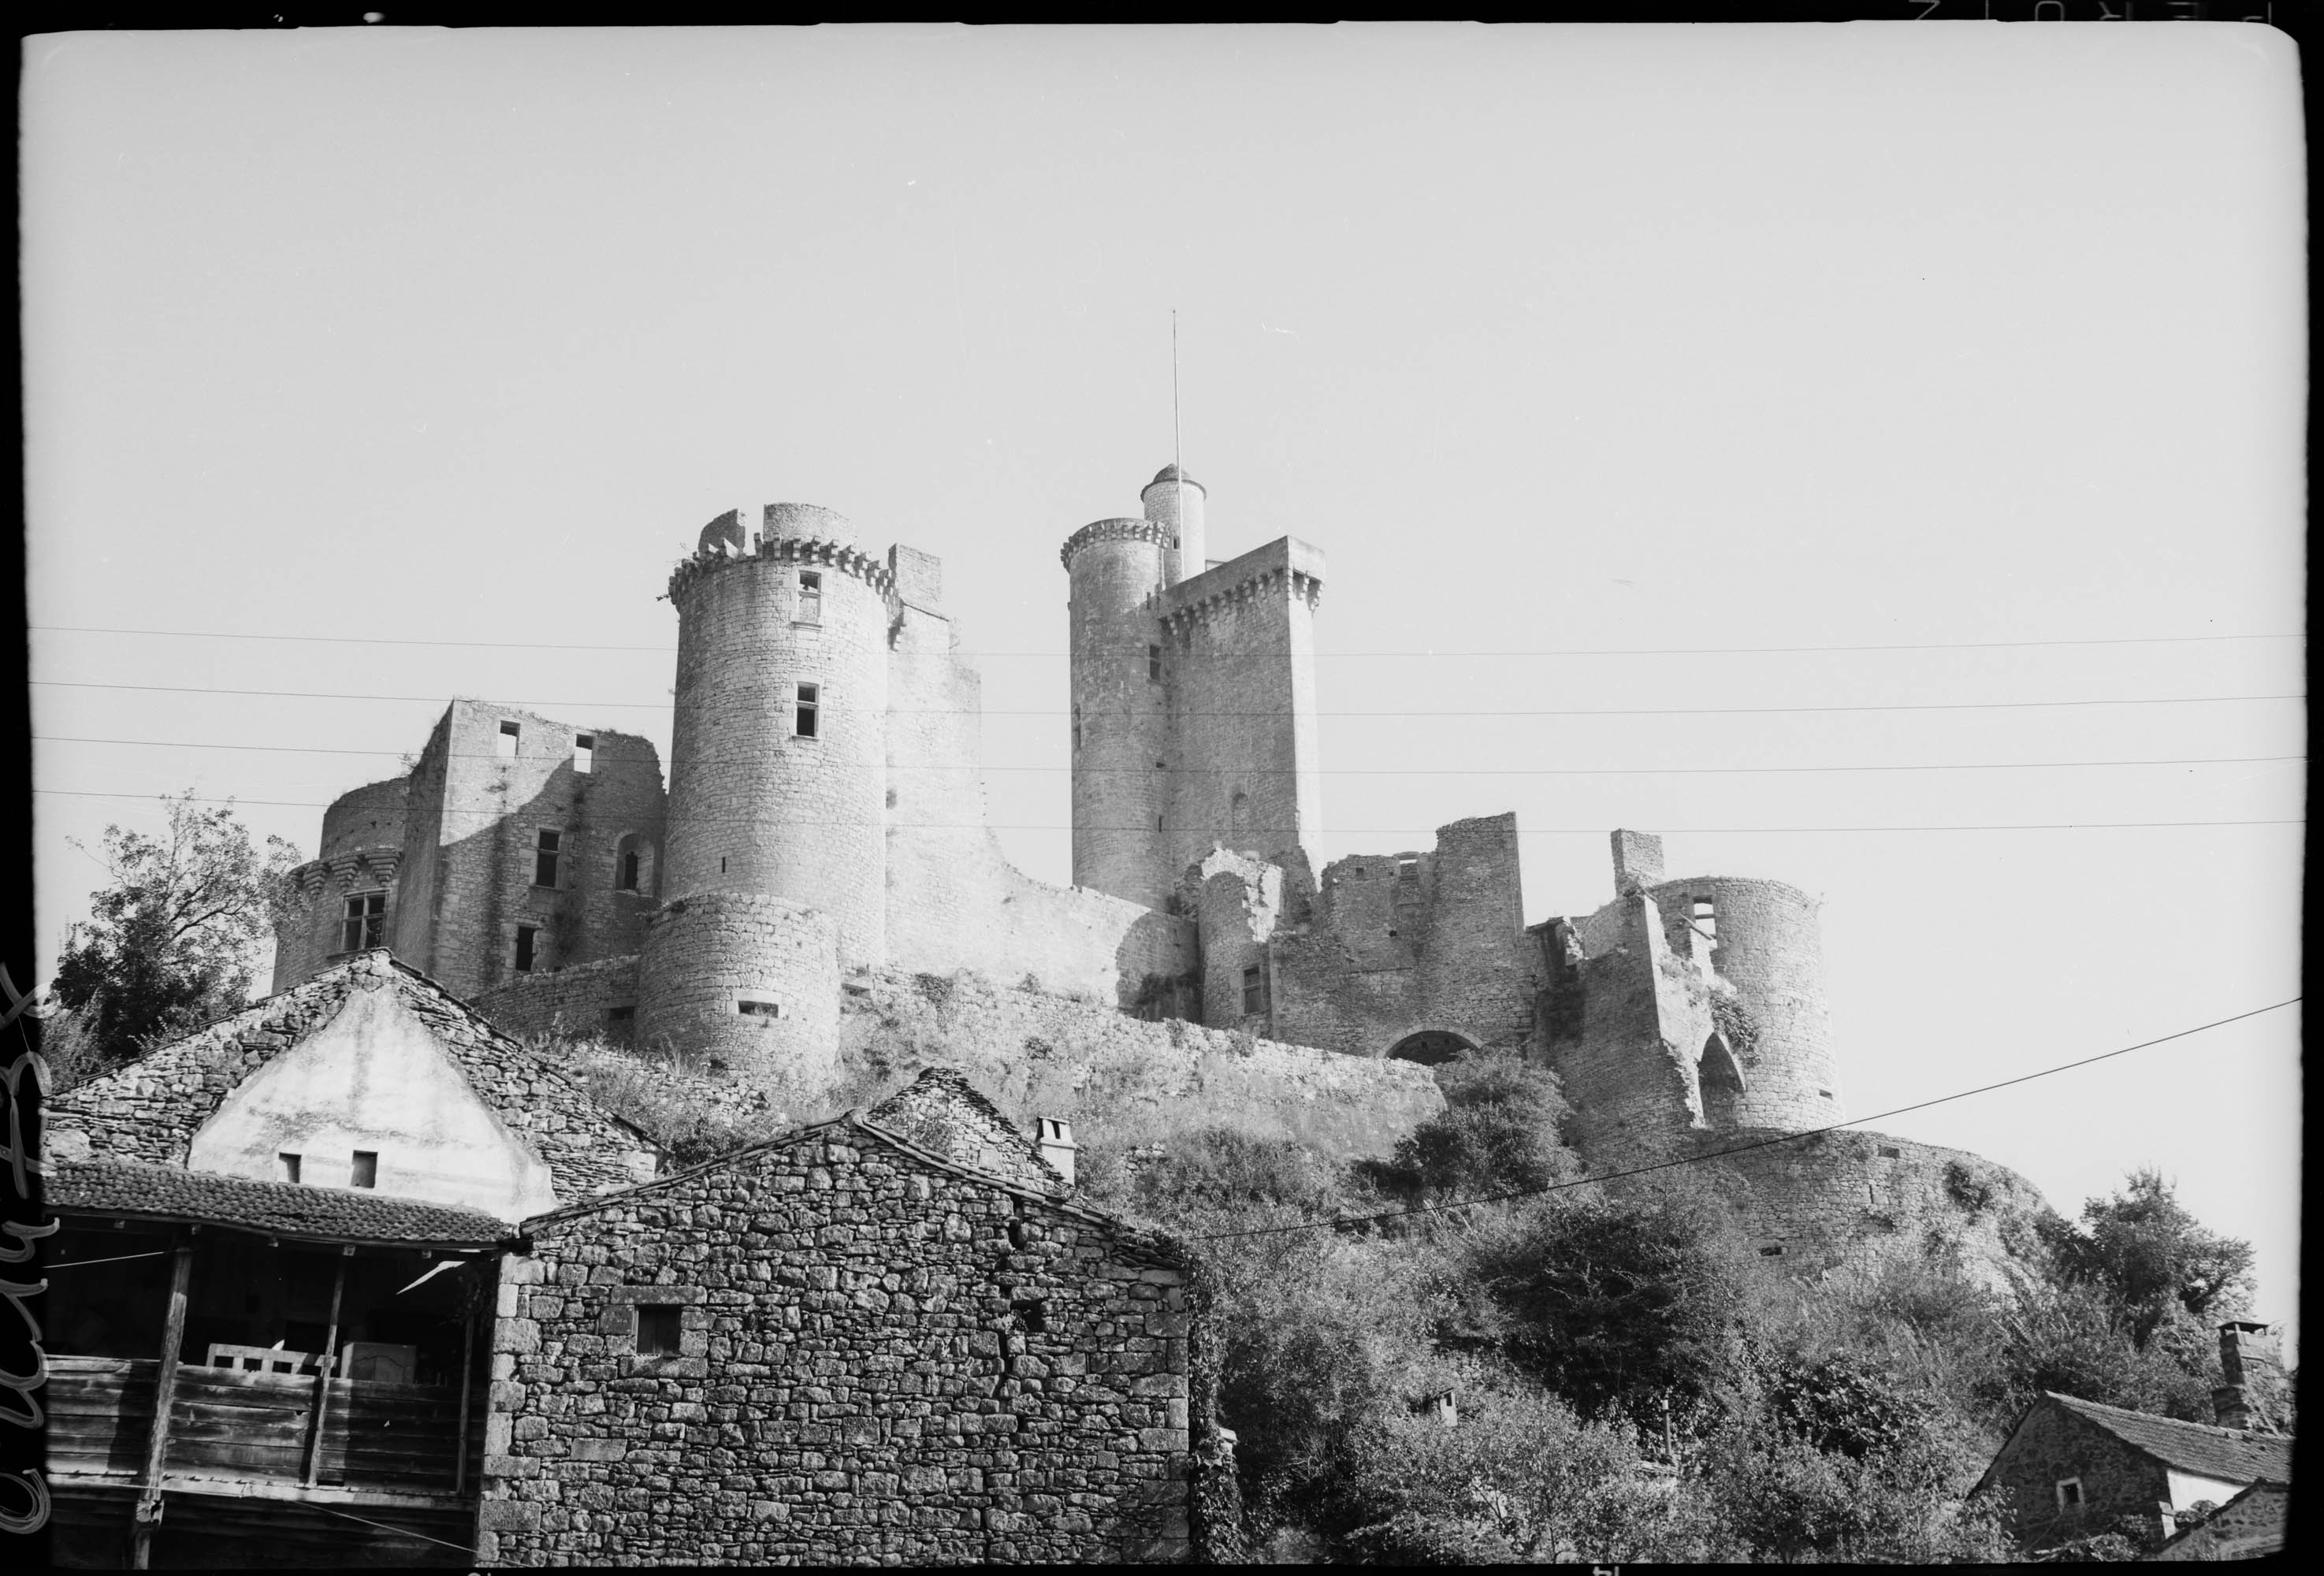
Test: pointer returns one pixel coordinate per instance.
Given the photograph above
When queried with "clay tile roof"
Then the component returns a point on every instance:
(2230, 1454)
(131, 1188)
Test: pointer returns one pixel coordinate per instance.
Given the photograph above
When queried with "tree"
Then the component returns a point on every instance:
(174, 941)
(2152, 1260)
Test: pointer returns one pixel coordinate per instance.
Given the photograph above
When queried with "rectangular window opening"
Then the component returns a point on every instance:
(1825, 1092)
(544, 858)
(364, 1172)
(585, 751)
(1888, 1153)
(810, 596)
(1153, 664)
(524, 939)
(1771, 1252)
(1408, 871)
(2070, 1493)
(750, 1008)
(510, 733)
(622, 1014)
(658, 1331)
(628, 882)
(1254, 990)
(366, 922)
(286, 1166)
(809, 703)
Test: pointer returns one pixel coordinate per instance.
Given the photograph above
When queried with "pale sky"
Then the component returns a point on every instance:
(1581, 352)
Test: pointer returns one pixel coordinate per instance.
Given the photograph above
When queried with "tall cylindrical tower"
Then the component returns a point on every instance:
(1765, 942)
(1175, 499)
(1120, 718)
(779, 738)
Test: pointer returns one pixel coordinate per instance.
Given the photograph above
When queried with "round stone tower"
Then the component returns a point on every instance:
(779, 737)
(1120, 716)
(1175, 499)
(360, 854)
(1766, 943)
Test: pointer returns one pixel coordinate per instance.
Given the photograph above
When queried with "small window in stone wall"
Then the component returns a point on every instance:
(1706, 919)
(364, 1170)
(365, 925)
(1408, 872)
(1825, 1092)
(286, 1166)
(584, 753)
(510, 734)
(525, 935)
(628, 879)
(1032, 1315)
(810, 596)
(758, 1007)
(810, 704)
(1773, 1250)
(2070, 1493)
(658, 1332)
(1153, 664)
(544, 856)
(619, 1017)
(1254, 990)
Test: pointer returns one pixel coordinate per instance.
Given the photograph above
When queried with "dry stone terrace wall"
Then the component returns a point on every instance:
(1120, 1079)
(151, 1110)
(881, 1358)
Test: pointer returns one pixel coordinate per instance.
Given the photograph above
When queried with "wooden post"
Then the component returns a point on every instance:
(323, 1374)
(468, 1371)
(165, 1394)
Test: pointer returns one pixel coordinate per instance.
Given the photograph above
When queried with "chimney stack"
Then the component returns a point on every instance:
(1057, 1144)
(2251, 1364)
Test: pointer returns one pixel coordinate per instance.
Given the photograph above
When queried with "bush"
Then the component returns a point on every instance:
(1499, 1132)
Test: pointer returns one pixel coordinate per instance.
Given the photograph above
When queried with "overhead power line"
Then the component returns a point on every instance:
(1270, 770)
(1737, 1149)
(1339, 831)
(670, 649)
(1981, 705)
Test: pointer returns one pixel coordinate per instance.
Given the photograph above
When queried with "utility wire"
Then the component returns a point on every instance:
(1263, 771)
(1983, 706)
(668, 650)
(1739, 1148)
(1336, 831)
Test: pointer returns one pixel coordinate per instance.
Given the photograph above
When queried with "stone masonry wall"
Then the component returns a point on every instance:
(360, 852)
(1829, 1197)
(746, 981)
(151, 1109)
(1769, 949)
(955, 901)
(1240, 643)
(882, 1359)
(1122, 1081)
(2052, 1443)
(580, 1000)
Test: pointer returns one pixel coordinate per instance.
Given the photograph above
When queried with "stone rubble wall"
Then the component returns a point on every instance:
(882, 1358)
(1121, 1080)
(2052, 1443)
(708, 952)
(575, 1002)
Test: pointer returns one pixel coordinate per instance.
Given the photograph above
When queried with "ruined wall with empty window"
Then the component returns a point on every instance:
(1392, 946)
(468, 858)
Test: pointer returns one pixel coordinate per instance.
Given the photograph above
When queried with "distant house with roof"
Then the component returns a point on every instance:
(351, 1277)
(2249, 1527)
(2074, 1469)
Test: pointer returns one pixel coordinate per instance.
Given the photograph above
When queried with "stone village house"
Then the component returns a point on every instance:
(2074, 1469)
(351, 1277)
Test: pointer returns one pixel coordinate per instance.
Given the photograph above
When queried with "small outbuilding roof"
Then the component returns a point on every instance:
(137, 1190)
(2231, 1455)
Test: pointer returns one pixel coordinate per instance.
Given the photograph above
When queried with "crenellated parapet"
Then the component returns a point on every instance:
(1123, 529)
(723, 544)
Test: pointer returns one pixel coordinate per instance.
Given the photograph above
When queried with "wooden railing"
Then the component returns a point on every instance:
(253, 1426)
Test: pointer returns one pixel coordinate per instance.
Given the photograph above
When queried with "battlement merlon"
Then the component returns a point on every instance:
(1299, 564)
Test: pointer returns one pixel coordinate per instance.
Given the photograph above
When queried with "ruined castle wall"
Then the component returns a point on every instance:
(755, 807)
(599, 998)
(881, 1358)
(1122, 1081)
(1411, 942)
(746, 981)
(1768, 947)
(955, 901)
(472, 835)
(1826, 1198)
(1628, 1059)
(1238, 642)
(1120, 721)
(361, 852)
(1239, 899)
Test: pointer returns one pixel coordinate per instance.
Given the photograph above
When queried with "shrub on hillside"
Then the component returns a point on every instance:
(1499, 1132)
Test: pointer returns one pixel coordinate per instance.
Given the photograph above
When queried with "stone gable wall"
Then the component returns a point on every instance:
(2252, 1525)
(2118, 1480)
(882, 1358)
(150, 1110)
(942, 1113)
